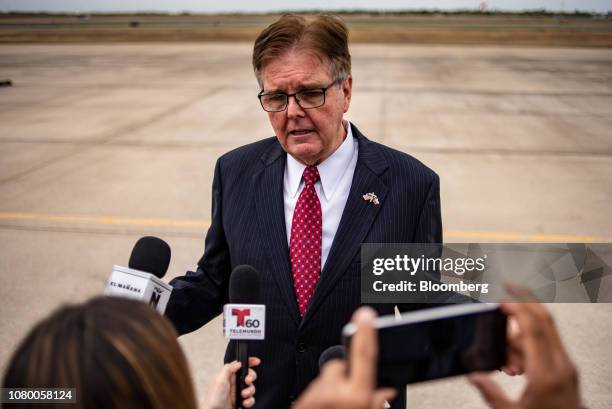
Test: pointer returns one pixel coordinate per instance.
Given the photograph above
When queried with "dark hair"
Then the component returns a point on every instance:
(324, 35)
(117, 353)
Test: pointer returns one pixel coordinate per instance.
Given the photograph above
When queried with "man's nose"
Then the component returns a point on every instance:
(293, 108)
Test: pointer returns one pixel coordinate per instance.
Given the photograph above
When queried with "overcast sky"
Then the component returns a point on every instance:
(274, 5)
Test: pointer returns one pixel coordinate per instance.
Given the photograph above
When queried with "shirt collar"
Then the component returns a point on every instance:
(330, 170)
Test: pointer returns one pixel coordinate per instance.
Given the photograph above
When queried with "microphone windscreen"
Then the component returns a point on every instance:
(334, 352)
(244, 285)
(151, 255)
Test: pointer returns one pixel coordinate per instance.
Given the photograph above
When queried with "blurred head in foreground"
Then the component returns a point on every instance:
(117, 353)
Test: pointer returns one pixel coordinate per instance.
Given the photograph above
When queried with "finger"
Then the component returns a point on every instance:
(548, 339)
(520, 293)
(248, 403)
(514, 331)
(508, 370)
(539, 336)
(254, 361)
(490, 391)
(363, 350)
(232, 384)
(514, 356)
(537, 340)
(546, 321)
(251, 377)
(511, 370)
(336, 368)
(511, 308)
(381, 396)
(230, 368)
(248, 392)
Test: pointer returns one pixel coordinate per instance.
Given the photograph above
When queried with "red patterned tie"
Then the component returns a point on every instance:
(305, 243)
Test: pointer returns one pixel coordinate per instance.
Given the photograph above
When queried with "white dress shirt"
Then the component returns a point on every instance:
(335, 178)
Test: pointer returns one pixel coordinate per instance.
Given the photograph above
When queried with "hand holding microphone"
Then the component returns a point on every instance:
(244, 319)
(222, 389)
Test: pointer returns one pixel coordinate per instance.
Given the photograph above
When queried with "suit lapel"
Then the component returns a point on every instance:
(268, 188)
(356, 221)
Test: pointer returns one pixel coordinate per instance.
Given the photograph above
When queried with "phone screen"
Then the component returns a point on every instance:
(442, 343)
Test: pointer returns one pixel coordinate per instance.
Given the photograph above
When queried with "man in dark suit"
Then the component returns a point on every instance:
(297, 207)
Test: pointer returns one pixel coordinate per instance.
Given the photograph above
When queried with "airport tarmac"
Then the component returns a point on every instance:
(101, 144)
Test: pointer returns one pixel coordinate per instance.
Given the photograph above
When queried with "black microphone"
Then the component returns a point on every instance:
(243, 318)
(152, 255)
(142, 279)
(244, 285)
(333, 352)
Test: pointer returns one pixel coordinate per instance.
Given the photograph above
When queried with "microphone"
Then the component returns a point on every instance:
(152, 255)
(333, 352)
(142, 279)
(244, 318)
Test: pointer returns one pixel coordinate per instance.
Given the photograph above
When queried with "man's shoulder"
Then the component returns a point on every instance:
(250, 158)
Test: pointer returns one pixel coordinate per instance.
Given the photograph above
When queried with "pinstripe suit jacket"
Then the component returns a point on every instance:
(248, 227)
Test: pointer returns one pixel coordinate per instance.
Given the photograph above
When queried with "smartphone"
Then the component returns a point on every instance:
(438, 342)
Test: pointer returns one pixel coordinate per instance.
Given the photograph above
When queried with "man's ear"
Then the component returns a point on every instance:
(347, 90)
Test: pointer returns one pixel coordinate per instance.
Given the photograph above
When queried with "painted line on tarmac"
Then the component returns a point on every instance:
(462, 235)
(511, 237)
(104, 220)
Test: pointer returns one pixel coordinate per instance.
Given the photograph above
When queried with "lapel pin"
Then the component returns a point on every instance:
(371, 197)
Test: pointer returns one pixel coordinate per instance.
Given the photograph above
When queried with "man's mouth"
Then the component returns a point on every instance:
(300, 132)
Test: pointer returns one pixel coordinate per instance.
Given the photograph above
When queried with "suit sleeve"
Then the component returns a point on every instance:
(429, 227)
(199, 296)
(428, 230)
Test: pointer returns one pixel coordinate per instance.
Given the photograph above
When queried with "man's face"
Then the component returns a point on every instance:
(309, 135)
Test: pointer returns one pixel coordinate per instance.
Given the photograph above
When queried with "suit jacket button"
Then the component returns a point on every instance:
(301, 347)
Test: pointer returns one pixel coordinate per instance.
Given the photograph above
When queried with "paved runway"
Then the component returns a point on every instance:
(102, 144)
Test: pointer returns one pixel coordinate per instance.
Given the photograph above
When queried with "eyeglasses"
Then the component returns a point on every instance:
(306, 99)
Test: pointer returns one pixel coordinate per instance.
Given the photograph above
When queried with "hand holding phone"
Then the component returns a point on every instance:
(438, 342)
